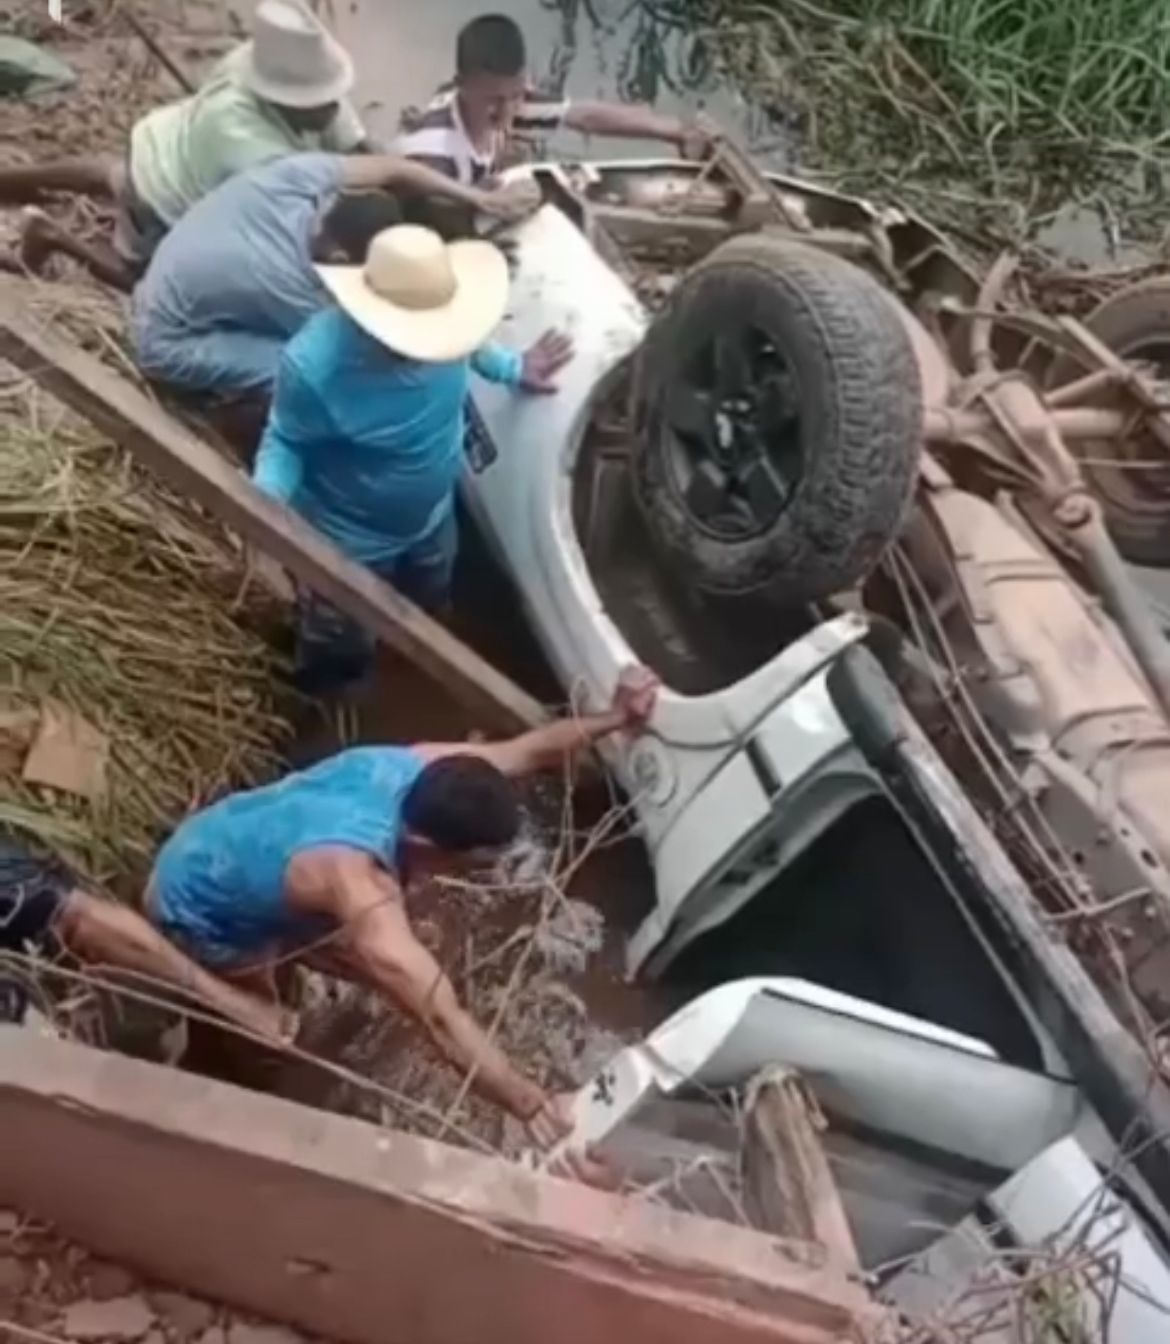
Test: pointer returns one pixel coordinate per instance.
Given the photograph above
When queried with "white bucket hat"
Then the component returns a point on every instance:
(423, 298)
(292, 60)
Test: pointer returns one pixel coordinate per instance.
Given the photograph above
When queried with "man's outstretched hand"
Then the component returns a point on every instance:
(554, 1122)
(544, 360)
(635, 696)
(699, 139)
(509, 202)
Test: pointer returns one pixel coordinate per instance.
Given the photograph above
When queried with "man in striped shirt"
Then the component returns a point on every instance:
(464, 131)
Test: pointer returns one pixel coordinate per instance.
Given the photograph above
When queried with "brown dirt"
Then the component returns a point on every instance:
(118, 80)
(52, 1290)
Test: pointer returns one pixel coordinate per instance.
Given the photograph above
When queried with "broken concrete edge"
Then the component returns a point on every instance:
(119, 409)
(335, 1226)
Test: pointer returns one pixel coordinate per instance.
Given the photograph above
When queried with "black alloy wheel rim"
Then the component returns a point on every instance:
(733, 425)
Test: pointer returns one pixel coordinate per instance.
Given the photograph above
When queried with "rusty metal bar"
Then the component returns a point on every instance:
(943, 425)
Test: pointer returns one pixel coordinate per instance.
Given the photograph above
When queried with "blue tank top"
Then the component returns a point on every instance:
(219, 880)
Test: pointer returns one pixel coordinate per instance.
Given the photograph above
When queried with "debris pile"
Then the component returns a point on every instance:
(115, 79)
(52, 1290)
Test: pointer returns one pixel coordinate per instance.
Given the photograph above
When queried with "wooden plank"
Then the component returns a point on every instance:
(157, 440)
(789, 1188)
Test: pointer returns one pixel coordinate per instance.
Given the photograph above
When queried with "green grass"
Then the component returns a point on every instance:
(1021, 100)
(1094, 70)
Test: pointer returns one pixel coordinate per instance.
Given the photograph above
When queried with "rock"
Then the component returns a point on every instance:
(125, 1318)
(9, 1223)
(14, 1276)
(28, 69)
(109, 1281)
(184, 1314)
(240, 1333)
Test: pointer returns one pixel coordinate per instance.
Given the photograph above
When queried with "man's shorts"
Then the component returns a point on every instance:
(32, 893)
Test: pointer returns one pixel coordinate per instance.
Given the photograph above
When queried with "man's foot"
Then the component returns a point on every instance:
(39, 239)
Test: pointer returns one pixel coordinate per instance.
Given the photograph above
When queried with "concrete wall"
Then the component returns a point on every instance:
(370, 1236)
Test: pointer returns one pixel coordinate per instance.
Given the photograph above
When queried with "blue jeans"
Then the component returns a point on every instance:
(333, 650)
(227, 362)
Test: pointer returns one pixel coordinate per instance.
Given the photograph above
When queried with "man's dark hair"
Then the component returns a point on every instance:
(463, 802)
(356, 219)
(490, 45)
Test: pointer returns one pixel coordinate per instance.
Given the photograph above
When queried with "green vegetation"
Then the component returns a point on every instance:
(984, 101)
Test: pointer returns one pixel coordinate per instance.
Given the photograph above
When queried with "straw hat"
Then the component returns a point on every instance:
(423, 298)
(291, 60)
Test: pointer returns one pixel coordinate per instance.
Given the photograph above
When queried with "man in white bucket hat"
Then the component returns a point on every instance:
(282, 92)
(365, 437)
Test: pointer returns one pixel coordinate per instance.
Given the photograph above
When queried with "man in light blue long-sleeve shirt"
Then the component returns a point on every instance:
(365, 438)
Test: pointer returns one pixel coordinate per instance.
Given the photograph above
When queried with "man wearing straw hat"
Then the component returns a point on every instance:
(365, 436)
(282, 92)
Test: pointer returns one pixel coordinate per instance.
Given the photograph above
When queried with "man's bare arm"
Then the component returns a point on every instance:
(635, 121)
(551, 746)
(393, 172)
(547, 748)
(381, 945)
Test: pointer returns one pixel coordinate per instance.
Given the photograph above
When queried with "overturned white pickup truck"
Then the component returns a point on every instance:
(717, 508)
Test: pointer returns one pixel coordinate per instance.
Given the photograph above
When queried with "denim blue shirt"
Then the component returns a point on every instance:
(364, 444)
(234, 278)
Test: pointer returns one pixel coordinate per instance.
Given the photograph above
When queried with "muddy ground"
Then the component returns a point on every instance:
(118, 79)
(52, 1290)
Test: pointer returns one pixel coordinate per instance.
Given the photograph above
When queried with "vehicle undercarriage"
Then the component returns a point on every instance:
(1013, 459)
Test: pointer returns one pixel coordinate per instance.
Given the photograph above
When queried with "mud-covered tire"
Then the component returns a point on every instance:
(1135, 324)
(839, 410)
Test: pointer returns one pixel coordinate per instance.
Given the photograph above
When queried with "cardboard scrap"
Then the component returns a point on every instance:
(18, 727)
(68, 754)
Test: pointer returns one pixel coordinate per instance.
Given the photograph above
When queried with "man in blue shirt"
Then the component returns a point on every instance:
(316, 867)
(365, 437)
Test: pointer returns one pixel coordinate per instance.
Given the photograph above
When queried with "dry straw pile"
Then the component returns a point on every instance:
(125, 606)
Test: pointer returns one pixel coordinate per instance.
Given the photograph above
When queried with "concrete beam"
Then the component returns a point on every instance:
(369, 1236)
